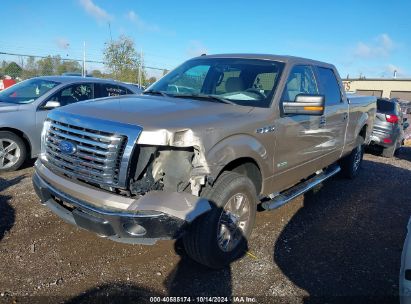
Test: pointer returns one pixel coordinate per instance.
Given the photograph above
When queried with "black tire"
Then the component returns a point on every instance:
(21, 155)
(398, 151)
(389, 152)
(351, 164)
(201, 240)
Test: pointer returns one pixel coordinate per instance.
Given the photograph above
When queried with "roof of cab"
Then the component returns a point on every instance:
(281, 58)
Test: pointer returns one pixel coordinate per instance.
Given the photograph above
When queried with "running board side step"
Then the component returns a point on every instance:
(293, 192)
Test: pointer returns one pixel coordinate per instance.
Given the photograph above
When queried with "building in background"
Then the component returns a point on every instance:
(389, 88)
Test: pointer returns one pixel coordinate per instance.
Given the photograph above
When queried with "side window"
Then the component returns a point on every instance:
(329, 86)
(300, 81)
(191, 81)
(108, 89)
(74, 93)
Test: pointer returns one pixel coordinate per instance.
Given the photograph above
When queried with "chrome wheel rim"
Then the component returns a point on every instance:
(233, 222)
(357, 158)
(9, 153)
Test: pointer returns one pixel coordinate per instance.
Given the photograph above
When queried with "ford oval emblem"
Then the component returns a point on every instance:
(67, 147)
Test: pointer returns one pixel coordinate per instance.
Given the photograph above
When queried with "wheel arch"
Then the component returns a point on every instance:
(246, 166)
(241, 153)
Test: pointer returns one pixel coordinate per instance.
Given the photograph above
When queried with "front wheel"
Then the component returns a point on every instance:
(12, 151)
(351, 164)
(219, 237)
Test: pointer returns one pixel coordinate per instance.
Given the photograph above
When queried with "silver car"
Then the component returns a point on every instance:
(390, 123)
(24, 107)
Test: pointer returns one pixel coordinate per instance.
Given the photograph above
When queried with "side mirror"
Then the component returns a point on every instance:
(51, 104)
(405, 125)
(405, 119)
(305, 104)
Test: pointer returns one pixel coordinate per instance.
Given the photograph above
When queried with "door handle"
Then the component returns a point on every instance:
(322, 121)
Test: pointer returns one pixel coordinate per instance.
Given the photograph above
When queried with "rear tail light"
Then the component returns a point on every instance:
(392, 118)
(387, 140)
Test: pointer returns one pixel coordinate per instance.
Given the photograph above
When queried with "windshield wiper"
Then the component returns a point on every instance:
(206, 97)
(152, 92)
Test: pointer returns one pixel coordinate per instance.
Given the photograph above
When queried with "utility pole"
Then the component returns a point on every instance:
(84, 59)
(140, 70)
(109, 29)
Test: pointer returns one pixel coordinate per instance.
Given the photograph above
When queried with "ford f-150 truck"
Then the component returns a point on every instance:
(204, 146)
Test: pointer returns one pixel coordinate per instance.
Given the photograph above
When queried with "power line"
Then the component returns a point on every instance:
(72, 59)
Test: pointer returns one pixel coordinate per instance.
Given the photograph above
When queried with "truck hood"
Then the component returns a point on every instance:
(152, 112)
(8, 107)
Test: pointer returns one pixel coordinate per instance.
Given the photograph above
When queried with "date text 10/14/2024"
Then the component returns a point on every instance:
(203, 299)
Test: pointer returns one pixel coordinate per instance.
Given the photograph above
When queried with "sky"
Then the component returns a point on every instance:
(367, 38)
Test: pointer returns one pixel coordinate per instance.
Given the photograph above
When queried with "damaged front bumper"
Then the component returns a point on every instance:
(154, 216)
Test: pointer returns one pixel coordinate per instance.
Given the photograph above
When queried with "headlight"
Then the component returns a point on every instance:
(158, 138)
(46, 128)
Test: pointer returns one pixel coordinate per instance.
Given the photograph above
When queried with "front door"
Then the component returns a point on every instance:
(299, 138)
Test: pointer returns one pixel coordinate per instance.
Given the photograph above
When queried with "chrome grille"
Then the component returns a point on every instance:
(97, 157)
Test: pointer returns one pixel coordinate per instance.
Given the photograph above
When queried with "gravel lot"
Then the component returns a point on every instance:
(345, 240)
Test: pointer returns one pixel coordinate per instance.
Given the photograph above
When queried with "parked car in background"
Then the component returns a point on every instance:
(405, 105)
(389, 126)
(24, 106)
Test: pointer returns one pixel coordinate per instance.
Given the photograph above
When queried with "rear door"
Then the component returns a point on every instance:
(335, 116)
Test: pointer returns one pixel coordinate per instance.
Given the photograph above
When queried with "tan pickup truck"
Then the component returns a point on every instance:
(195, 155)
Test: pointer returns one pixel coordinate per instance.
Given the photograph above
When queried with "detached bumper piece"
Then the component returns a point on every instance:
(145, 227)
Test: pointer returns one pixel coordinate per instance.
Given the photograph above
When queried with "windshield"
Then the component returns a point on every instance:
(27, 91)
(248, 82)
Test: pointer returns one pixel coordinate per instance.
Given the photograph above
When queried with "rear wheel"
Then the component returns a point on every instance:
(218, 237)
(351, 164)
(13, 151)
